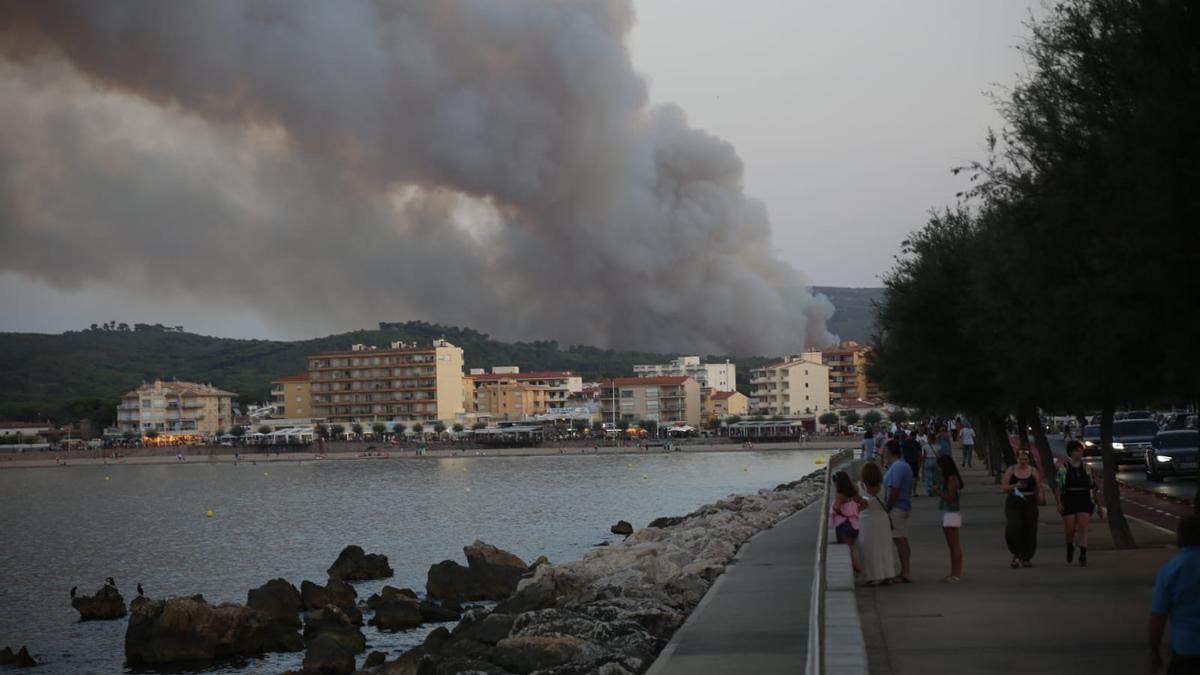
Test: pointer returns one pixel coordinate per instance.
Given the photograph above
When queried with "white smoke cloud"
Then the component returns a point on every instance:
(492, 164)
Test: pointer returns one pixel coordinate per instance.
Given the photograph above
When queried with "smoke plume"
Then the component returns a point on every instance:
(491, 164)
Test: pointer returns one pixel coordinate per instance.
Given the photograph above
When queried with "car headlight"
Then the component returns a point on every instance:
(1089, 444)
(1163, 458)
(1118, 446)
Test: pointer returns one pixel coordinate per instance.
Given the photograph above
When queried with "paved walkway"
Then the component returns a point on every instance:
(754, 619)
(1052, 618)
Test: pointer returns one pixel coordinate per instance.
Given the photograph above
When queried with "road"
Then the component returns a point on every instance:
(1161, 504)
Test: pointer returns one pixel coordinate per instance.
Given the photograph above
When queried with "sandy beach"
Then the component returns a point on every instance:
(200, 455)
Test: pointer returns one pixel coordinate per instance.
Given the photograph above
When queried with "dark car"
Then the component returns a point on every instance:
(1131, 439)
(1091, 440)
(1173, 453)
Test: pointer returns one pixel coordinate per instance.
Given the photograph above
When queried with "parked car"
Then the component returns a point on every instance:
(1173, 453)
(1134, 415)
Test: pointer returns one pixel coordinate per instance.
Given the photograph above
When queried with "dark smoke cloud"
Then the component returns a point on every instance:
(493, 164)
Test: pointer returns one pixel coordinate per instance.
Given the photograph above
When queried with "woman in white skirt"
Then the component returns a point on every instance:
(875, 531)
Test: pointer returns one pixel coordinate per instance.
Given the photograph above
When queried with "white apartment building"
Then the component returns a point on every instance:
(714, 376)
(175, 408)
(794, 387)
(561, 384)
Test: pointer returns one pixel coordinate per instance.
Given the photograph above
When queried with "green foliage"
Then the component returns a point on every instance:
(733, 419)
(264, 429)
(152, 434)
(398, 427)
(238, 431)
(337, 431)
(439, 427)
(379, 429)
(321, 431)
(457, 427)
(417, 427)
(828, 419)
(899, 416)
(852, 417)
(622, 424)
(479, 425)
(651, 426)
(356, 428)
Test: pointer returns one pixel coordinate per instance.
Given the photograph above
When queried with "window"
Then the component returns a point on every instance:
(626, 393)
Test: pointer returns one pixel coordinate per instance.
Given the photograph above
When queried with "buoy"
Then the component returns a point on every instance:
(645, 477)
(819, 460)
(107, 478)
(745, 468)
(266, 474)
(468, 489)
(209, 514)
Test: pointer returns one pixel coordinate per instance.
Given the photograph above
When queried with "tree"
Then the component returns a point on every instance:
(651, 426)
(458, 427)
(129, 435)
(776, 418)
(398, 428)
(357, 429)
(321, 431)
(378, 429)
(418, 428)
(622, 424)
(439, 427)
(733, 419)
(899, 416)
(152, 434)
(264, 429)
(337, 431)
(480, 424)
(238, 430)
(828, 419)
(851, 417)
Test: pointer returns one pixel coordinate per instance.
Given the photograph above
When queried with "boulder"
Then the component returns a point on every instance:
(437, 612)
(337, 593)
(331, 620)
(529, 654)
(666, 521)
(622, 527)
(327, 656)
(353, 564)
(21, 659)
(488, 628)
(374, 659)
(459, 666)
(436, 639)
(184, 629)
(396, 612)
(105, 605)
(279, 599)
(490, 574)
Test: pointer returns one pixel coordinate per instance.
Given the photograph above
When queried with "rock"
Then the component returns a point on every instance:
(337, 593)
(279, 599)
(392, 590)
(433, 612)
(327, 656)
(529, 654)
(622, 527)
(666, 521)
(436, 639)
(490, 574)
(396, 612)
(21, 659)
(460, 666)
(7, 657)
(331, 620)
(353, 564)
(488, 628)
(375, 658)
(105, 605)
(183, 629)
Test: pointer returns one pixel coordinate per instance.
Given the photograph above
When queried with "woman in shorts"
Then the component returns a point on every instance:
(1078, 498)
(843, 515)
(949, 492)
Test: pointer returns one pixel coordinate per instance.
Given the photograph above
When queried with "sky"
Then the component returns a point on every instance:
(679, 169)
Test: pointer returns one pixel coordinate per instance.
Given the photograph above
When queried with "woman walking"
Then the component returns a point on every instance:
(930, 454)
(843, 515)
(949, 491)
(1023, 484)
(1078, 497)
(875, 531)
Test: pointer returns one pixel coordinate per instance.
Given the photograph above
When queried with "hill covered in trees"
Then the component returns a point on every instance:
(80, 374)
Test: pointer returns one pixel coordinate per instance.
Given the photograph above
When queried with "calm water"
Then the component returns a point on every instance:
(65, 527)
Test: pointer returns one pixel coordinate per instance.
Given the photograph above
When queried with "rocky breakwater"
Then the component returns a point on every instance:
(105, 605)
(614, 610)
(179, 630)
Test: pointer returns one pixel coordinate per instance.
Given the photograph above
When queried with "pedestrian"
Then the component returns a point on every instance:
(843, 515)
(929, 452)
(1023, 484)
(944, 442)
(949, 492)
(875, 531)
(868, 447)
(911, 449)
(967, 436)
(1078, 496)
(898, 486)
(1177, 599)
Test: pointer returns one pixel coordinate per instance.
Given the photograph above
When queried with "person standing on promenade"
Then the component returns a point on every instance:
(1023, 484)
(1177, 599)
(943, 442)
(875, 531)
(843, 515)
(930, 470)
(948, 492)
(1078, 497)
(911, 450)
(967, 436)
(898, 483)
(868, 447)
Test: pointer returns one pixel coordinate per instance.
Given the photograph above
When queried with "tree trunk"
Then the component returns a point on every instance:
(1122, 537)
(1045, 454)
(1001, 450)
(1022, 428)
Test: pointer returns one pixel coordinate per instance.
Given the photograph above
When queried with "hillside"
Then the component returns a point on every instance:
(80, 374)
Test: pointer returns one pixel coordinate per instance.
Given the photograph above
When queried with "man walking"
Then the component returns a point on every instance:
(898, 483)
(1177, 598)
(967, 436)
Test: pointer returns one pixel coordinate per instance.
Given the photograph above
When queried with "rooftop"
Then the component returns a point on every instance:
(538, 375)
(176, 388)
(303, 377)
(648, 381)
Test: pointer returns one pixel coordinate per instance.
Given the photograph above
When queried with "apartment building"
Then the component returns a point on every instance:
(405, 382)
(175, 409)
(664, 399)
(715, 376)
(795, 386)
(291, 397)
(560, 385)
(721, 404)
(509, 400)
(847, 370)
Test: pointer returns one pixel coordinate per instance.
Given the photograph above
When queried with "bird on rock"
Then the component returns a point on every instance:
(141, 593)
(73, 589)
(109, 581)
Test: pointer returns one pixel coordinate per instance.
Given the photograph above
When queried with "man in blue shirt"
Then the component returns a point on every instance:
(1177, 597)
(898, 483)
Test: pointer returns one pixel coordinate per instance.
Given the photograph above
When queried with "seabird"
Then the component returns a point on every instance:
(140, 591)
(110, 582)
(73, 589)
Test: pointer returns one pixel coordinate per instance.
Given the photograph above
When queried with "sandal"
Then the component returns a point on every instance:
(951, 579)
(900, 580)
(1026, 563)
(1016, 562)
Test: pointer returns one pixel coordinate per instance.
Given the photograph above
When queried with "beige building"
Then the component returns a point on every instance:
(664, 399)
(715, 376)
(560, 385)
(175, 409)
(509, 400)
(292, 396)
(403, 383)
(847, 370)
(721, 404)
(794, 387)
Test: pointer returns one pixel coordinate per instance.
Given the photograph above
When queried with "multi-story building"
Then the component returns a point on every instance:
(664, 399)
(715, 376)
(847, 370)
(292, 396)
(175, 409)
(560, 385)
(509, 400)
(794, 387)
(402, 383)
(721, 404)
